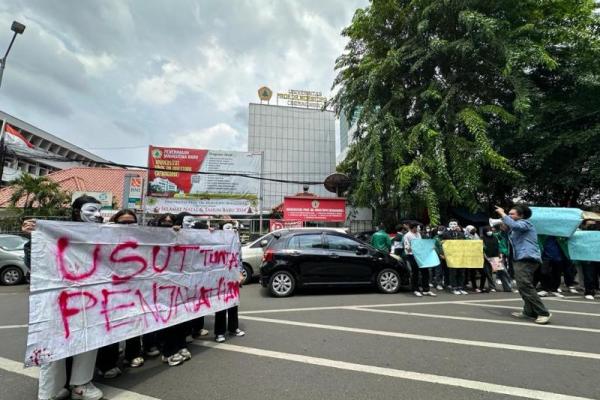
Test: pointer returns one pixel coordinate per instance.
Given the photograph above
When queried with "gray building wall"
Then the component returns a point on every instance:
(298, 144)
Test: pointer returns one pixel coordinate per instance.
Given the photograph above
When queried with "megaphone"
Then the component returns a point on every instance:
(495, 222)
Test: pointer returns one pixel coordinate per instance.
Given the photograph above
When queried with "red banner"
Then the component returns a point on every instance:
(168, 181)
(314, 209)
(275, 224)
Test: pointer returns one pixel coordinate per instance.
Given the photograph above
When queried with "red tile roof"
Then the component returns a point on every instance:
(86, 179)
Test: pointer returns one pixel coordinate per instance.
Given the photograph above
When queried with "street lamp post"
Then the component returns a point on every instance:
(18, 28)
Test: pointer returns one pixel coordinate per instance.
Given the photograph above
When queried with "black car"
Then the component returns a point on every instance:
(325, 258)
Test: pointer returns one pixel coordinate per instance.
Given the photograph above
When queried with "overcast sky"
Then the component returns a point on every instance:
(115, 73)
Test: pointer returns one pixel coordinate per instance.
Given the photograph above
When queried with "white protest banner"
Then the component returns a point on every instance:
(93, 285)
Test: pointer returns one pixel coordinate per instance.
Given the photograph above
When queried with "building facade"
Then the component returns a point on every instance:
(61, 154)
(348, 127)
(297, 144)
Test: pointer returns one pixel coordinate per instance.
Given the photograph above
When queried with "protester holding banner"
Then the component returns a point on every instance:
(591, 269)
(175, 351)
(107, 361)
(554, 264)
(471, 274)
(494, 260)
(527, 259)
(440, 273)
(413, 233)
(456, 275)
(500, 233)
(491, 263)
(53, 376)
(230, 314)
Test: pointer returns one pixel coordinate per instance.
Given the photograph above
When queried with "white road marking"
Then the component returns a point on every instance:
(110, 392)
(566, 300)
(553, 311)
(480, 320)
(421, 303)
(486, 387)
(476, 343)
(13, 326)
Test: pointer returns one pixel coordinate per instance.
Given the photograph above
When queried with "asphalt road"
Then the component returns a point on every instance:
(358, 344)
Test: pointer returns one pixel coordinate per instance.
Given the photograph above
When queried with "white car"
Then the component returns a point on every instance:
(252, 253)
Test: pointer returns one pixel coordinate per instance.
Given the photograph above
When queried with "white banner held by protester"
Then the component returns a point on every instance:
(93, 285)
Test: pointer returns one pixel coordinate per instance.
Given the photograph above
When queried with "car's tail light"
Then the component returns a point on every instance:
(268, 256)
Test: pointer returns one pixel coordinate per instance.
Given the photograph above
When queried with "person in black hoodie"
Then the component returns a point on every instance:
(491, 250)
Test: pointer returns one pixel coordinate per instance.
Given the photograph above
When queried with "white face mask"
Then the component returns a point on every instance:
(90, 212)
(489, 233)
(188, 222)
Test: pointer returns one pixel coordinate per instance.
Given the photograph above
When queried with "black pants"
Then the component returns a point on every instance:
(524, 271)
(108, 356)
(471, 275)
(415, 271)
(195, 326)
(232, 321)
(558, 269)
(457, 278)
(152, 339)
(486, 274)
(174, 338)
(591, 276)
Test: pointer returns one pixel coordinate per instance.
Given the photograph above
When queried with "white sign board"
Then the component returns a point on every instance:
(93, 285)
(162, 205)
(227, 162)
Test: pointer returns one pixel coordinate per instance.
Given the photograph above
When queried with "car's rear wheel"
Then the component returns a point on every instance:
(11, 275)
(282, 284)
(247, 274)
(388, 281)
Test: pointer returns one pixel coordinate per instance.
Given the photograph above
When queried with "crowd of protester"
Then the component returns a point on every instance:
(72, 377)
(497, 272)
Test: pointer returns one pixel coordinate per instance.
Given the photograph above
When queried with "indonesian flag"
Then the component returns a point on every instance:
(15, 138)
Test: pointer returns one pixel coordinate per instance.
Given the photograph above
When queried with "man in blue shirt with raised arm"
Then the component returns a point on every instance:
(527, 259)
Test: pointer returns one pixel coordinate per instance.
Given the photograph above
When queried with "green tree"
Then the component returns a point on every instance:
(448, 92)
(40, 195)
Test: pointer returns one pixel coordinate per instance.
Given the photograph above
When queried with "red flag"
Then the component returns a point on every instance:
(15, 137)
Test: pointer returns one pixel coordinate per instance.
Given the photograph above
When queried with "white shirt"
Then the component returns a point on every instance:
(409, 237)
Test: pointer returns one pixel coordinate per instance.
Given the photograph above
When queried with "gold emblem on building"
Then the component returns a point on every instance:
(265, 94)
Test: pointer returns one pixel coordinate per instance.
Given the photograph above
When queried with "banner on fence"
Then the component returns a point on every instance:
(93, 285)
(556, 221)
(463, 253)
(585, 246)
(275, 224)
(424, 252)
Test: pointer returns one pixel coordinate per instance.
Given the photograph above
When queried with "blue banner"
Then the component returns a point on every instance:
(555, 221)
(585, 246)
(424, 252)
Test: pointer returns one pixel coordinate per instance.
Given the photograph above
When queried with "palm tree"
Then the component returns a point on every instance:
(41, 195)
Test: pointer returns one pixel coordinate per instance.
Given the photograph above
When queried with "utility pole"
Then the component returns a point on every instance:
(18, 28)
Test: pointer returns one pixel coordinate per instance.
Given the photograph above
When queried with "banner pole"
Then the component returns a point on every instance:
(260, 195)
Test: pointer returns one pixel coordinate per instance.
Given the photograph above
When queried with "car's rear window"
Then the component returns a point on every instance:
(12, 242)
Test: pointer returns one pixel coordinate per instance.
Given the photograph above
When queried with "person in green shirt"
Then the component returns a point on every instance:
(381, 240)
